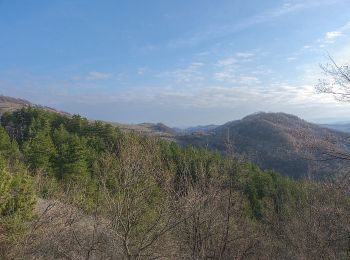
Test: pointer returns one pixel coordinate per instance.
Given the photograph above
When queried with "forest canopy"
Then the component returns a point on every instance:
(153, 198)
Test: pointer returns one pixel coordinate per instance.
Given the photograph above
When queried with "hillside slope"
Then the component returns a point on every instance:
(277, 141)
(158, 129)
(10, 104)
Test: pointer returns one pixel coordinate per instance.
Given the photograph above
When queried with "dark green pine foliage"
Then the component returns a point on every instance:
(67, 148)
(40, 151)
(271, 191)
(60, 138)
(61, 147)
(71, 154)
(8, 147)
(76, 166)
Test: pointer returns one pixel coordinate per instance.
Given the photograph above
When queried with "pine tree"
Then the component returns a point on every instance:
(76, 166)
(40, 152)
(7, 146)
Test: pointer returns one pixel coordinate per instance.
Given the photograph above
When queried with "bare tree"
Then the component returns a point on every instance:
(138, 213)
(336, 80)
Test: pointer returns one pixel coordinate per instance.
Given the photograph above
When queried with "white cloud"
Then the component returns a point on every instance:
(214, 102)
(230, 70)
(245, 54)
(190, 74)
(225, 75)
(323, 45)
(288, 98)
(227, 62)
(333, 35)
(248, 80)
(195, 38)
(95, 75)
(291, 58)
(312, 71)
(227, 70)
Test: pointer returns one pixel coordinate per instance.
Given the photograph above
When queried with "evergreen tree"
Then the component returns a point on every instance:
(17, 197)
(7, 147)
(40, 152)
(76, 167)
(60, 138)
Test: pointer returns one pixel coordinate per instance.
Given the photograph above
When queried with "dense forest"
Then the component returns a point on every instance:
(75, 189)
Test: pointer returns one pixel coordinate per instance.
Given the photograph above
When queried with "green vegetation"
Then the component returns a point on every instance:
(153, 198)
(17, 193)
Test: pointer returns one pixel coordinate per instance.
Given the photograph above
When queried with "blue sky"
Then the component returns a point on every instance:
(181, 62)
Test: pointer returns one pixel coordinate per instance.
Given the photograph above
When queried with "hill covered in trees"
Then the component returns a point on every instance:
(275, 141)
(281, 142)
(11, 104)
(76, 189)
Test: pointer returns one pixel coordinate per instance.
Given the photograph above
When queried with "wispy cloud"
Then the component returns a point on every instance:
(221, 30)
(227, 62)
(225, 101)
(333, 35)
(324, 44)
(239, 80)
(95, 75)
(229, 69)
(190, 74)
(287, 98)
(245, 54)
(291, 59)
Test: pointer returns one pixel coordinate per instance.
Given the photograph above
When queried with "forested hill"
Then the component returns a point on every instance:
(276, 141)
(281, 142)
(10, 104)
(78, 189)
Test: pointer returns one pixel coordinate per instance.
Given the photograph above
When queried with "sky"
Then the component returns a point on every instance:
(180, 62)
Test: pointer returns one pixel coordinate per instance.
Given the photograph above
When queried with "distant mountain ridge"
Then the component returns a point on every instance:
(343, 127)
(277, 141)
(9, 104)
(197, 129)
(153, 129)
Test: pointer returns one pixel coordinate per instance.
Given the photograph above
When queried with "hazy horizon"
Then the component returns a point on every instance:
(321, 121)
(182, 63)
